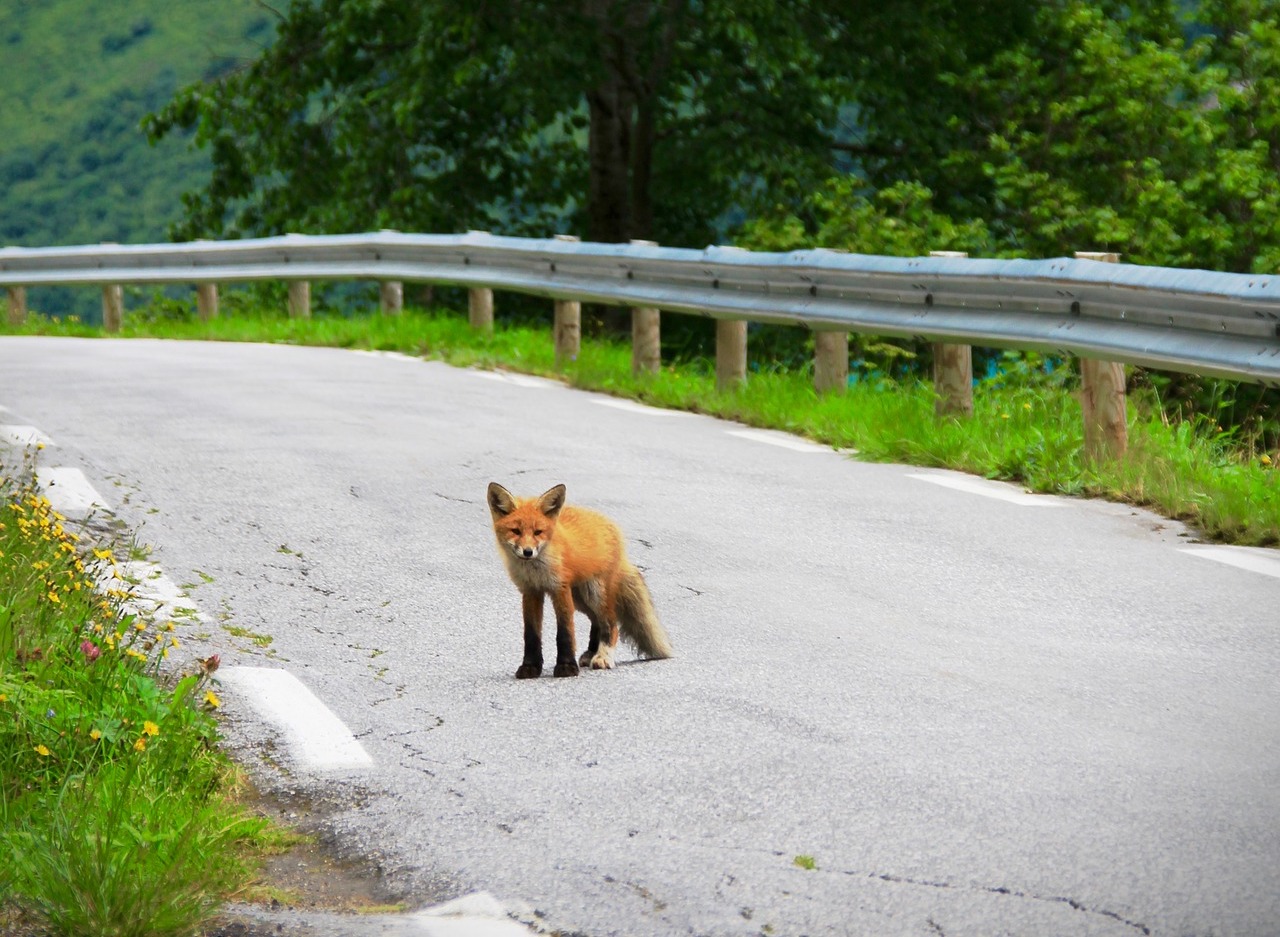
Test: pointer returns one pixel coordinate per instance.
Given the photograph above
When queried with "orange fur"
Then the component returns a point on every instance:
(576, 556)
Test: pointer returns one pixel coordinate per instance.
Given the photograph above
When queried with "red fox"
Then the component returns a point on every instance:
(577, 557)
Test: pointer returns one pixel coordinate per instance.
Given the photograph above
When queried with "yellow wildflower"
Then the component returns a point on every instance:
(211, 698)
(141, 744)
(95, 734)
(42, 751)
(150, 728)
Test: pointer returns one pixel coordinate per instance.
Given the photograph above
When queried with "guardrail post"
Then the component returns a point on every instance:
(646, 341)
(299, 299)
(646, 333)
(112, 307)
(830, 361)
(480, 308)
(390, 297)
(952, 370)
(567, 330)
(17, 296)
(206, 301)
(567, 327)
(1102, 396)
(731, 353)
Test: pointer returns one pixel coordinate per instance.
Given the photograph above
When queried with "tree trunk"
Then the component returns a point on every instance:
(609, 152)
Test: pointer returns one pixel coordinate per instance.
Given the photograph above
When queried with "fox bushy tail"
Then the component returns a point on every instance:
(637, 620)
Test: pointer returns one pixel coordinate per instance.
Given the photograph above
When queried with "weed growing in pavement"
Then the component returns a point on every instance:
(1026, 425)
(113, 810)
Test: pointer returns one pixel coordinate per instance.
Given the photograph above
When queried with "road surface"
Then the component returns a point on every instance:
(904, 701)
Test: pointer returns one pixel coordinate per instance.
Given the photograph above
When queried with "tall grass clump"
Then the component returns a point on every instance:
(112, 814)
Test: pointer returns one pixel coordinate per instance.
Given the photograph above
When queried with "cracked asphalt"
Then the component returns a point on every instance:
(897, 707)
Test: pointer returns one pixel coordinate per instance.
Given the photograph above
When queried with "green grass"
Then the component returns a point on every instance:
(1026, 425)
(115, 809)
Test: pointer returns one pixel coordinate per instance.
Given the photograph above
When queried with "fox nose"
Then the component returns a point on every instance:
(526, 552)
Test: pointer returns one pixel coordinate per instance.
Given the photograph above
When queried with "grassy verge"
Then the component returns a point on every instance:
(1026, 426)
(115, 807)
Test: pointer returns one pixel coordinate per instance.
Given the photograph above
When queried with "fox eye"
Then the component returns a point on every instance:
(537, 532)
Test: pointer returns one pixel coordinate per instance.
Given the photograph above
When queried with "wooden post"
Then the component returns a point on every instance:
(17, 305)
(952, 370)
(646, 341)
(1102, 396)
(731, 353)
(568, 330)
(112, 307)
(391, 297)
(567, 326)
(830, 361)
(646, 332)
(480, 308)
(206, 301)
(299, 299)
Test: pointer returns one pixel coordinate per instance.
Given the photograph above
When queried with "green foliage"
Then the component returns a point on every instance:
(628, 119)
(75, 166)
(111, 813)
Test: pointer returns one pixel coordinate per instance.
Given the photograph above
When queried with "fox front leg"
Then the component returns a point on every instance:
(562, 602)
(531, 666)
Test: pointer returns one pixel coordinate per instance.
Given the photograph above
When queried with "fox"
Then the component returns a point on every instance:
(576, 556)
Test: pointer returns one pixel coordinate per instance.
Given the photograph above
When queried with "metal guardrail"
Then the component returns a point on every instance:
(1218, 324)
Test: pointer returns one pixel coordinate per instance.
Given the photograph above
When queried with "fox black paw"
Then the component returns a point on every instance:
(529, 671)
(566, 668)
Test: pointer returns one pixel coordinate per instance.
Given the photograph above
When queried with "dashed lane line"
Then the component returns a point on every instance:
(70, 493)
(780, 439)
(617, 403)
(313, 735)
(1000, 491)
(23, 435)
(1253, 559)
(508, 377)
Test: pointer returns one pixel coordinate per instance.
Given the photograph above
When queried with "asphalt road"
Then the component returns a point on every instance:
(897, 707)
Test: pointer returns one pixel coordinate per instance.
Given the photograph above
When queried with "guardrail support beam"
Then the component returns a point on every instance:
(206, 301)
(646, 341)
(1102, 396)
(112, 307)
(299, 299)
(391, 297)
(731, 353)
(952, 370)
(17, 302)
(830, 361)
(480, 308)
(567, 331)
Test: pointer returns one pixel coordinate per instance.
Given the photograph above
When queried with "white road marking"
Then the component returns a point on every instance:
(1254, 559)
(69, 491)
(507, 377)
(1001, 491)
(23, 435)
(631, 406)
(314, 736)
(152, 593)
(776, 438)
(394, 355)
(476, 915)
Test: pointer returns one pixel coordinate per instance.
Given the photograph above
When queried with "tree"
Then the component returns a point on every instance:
(616, 119)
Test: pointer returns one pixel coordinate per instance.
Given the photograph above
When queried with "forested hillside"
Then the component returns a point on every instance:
(76, 78)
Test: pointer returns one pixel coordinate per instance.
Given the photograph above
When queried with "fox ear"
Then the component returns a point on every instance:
(551, 501)
(500, 501)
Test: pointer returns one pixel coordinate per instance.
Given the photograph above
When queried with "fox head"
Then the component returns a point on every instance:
(524, 525)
